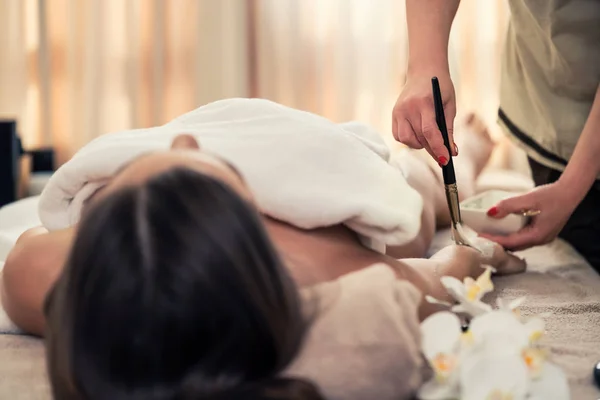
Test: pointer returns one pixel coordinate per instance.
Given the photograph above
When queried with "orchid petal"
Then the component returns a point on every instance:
(496, 320)
(433, 300)
(484, 281)
(440, 334)
(500, 322)
(483, 376)
(510, 306)
(516, 303)
(459, 308)
(551, 385)
(472, 308)
(454, 287)
(500, 304)
(468, 281)
(433, 390)
(473, 291)
(498, 344)
(535, 329)
(534, 359)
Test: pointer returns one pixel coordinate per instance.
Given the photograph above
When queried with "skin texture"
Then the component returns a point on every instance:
(312, 256)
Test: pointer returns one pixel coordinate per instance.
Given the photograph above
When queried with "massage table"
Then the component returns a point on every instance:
(558, 281)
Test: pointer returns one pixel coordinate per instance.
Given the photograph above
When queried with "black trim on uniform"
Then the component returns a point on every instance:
(519, 134)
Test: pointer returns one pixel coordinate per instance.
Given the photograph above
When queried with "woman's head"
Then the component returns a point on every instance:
(172, 291)
(185, 152)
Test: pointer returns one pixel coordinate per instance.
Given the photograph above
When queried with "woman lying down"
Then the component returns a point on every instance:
(244, 250)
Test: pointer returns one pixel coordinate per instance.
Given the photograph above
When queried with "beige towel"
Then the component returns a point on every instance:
(22, 369)
(364, 342)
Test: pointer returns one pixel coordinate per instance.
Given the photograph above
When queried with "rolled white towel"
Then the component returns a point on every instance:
(303, 169)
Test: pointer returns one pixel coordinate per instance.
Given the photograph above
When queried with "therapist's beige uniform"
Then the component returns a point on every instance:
(550, 73)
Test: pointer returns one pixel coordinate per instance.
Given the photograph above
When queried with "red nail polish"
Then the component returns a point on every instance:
(492, 211)
(442, 160)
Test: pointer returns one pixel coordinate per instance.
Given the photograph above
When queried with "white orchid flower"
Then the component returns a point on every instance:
(498, 358)
(469, 293)
(441, 334)
(501, 332)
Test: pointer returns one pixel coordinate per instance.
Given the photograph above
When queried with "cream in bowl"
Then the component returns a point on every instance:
(474, 214)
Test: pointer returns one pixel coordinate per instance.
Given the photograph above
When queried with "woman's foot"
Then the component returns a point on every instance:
(483, 253)
(505, 263)
(475, 143)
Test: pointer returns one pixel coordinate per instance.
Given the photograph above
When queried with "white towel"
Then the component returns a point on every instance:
(303, 169)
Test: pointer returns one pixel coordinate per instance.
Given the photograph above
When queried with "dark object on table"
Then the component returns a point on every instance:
(42, 160)
(10, 152)
(42, 168)
(597, 374)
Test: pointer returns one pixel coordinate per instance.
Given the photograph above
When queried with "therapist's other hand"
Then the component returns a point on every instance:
(413, 118)
(555, 203)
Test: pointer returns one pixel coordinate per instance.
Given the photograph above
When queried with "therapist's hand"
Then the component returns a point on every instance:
(413, 119)
(555, 203)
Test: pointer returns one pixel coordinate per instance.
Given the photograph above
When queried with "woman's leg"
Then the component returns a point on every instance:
(425, 176)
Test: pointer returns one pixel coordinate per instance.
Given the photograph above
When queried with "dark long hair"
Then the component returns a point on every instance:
(173, 290)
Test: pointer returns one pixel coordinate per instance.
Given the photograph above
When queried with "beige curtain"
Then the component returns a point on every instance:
(71, 70)
(346, 59)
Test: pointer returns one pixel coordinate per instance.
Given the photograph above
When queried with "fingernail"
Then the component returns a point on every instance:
(455, 149)
(442, 161)
(492, 211)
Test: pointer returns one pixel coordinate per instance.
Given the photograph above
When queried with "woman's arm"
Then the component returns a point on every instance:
(413, 117)
(429, 23)
(31, 269)
(584, 166)
(456, 261)
(425, 274)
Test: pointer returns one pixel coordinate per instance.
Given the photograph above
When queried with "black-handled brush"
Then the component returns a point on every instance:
(458, 232)
(440, 118)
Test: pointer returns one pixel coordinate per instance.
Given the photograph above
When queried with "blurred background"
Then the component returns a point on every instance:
(71, 70)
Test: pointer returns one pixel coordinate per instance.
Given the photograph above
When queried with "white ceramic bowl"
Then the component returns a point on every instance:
(474, 214)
